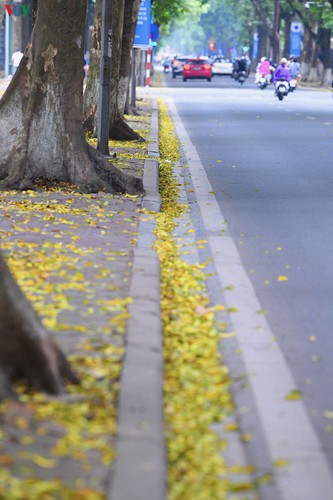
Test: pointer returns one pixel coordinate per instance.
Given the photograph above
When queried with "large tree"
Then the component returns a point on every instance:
(121, 66)
(41, 130)
(124, 18)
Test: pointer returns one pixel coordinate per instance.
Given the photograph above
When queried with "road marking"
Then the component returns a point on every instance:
(288, 430)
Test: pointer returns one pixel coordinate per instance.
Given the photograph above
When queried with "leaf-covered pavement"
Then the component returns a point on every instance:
(72, 256)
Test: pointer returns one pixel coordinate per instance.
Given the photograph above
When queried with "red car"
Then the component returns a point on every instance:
(197, 68)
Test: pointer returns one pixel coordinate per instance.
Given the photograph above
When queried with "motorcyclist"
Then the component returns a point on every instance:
(294, 68)
(264, 69)
(242, 64)
(282, 71)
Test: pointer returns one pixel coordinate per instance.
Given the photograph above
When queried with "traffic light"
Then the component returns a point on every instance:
(211, 46)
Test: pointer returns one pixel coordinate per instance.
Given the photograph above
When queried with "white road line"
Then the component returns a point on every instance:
(288, 430)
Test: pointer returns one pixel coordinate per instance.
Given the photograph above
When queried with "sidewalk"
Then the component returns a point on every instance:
(4, 82)
(93, 257)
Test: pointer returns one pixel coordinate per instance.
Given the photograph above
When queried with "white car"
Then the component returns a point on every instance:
(222, 66)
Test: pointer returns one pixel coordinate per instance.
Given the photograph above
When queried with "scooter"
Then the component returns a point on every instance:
(281, 88)
(292, 84)
(263, 82)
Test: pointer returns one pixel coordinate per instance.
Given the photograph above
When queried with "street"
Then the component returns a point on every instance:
(268, 165)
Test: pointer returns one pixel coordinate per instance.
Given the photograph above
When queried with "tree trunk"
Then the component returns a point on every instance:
(307, 53)
(275, 31)
(287, 27)
(325, 39)
(263, 42)
(313, 75)
(121, 70)
(26, 349)
(130, 18)
(91, 93)
(41, 130)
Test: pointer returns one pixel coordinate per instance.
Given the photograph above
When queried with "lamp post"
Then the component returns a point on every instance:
(105, 83)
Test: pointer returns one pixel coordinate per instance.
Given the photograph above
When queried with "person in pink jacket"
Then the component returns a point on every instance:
(263, 70)
(264, 67)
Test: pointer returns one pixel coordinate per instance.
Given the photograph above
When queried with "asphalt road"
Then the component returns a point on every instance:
(270, 166)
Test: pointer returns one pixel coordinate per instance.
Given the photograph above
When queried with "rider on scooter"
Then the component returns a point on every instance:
(282, 72)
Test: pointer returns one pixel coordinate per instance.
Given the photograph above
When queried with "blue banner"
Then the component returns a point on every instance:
(295, 39)
(142, 32)
(255, 45)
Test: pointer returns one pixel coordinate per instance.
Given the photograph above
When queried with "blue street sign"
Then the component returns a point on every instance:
(142, 32)
(155, 32)
(295, 39)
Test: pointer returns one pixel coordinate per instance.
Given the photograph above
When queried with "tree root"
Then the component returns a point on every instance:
(118, 180)
(27, 350)
(121, 131)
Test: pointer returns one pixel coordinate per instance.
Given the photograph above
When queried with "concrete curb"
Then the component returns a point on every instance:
(139, 472)
(152, 199)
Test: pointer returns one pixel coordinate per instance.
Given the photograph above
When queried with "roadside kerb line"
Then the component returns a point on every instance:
(139, 471)
(286, 424)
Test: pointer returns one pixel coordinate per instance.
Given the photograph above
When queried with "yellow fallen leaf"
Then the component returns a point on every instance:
(295, 394)
(280, 463)
(328, 414)
(282, 278)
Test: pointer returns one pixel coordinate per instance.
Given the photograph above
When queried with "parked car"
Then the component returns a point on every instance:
(222, 66)
(177, 65)
(197, 68)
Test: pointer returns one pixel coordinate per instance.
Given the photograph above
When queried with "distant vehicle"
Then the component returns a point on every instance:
(166, 63)
(281, 88)
(177, 65)
(222, 66)
(197, 68)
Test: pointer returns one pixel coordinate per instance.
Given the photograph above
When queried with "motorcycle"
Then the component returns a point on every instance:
(241, 77)
(281, 88)
(292, 84)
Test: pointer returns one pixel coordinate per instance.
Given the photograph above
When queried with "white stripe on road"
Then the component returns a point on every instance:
(289, 433)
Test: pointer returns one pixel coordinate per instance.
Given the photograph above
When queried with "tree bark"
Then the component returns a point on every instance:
(276, 31)
(90, 98)
(325, 40)
(287, 16)
(121, 70)
(41, 130)
(264, 42)
(26, 349)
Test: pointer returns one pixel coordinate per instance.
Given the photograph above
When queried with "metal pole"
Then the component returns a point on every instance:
(143, 67)
(133, 79)
(105, 81)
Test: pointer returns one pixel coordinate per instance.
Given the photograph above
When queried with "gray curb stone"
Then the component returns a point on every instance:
(152, 199)
(139, 471)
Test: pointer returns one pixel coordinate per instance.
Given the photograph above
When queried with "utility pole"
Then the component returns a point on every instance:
(105, 83)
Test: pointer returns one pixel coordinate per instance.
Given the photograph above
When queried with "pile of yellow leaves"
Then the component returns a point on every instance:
(196, 383)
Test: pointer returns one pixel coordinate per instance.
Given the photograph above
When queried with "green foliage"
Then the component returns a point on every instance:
(166, 11)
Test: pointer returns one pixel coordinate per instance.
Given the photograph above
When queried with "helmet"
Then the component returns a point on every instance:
(263, 59)
(283, 60)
